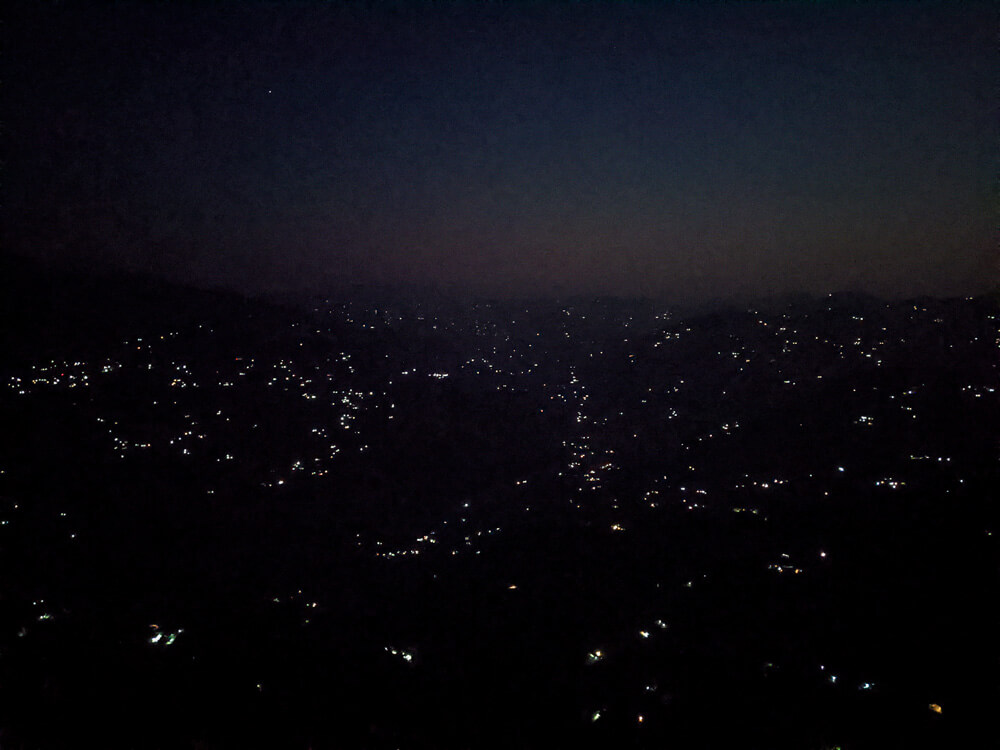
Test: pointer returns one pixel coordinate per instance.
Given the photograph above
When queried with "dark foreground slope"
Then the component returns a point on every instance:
(582, 524)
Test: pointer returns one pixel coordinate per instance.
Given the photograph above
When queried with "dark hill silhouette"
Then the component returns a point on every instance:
(48, 310)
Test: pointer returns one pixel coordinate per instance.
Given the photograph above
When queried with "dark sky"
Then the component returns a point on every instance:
(692, 151)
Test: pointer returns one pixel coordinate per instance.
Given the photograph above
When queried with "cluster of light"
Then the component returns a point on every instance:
(893, 484)
(55, 374)
(595, 656)
(163, 638)
(783, 568)
(406, 656)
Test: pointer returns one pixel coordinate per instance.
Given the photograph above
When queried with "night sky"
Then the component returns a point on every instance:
(689, 151)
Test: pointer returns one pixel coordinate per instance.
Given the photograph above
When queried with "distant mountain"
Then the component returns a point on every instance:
(47, 309)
